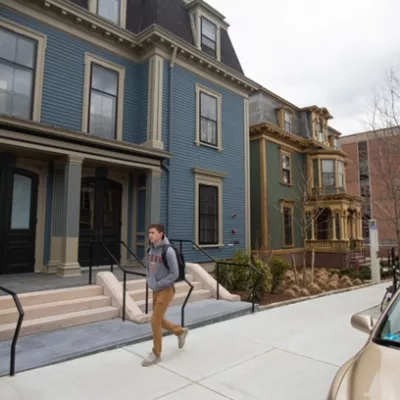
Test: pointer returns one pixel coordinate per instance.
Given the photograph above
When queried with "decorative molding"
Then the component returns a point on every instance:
(155, 101)
(207, 172)
(78, 21)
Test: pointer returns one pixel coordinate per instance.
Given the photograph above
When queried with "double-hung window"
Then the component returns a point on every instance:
(17, 74)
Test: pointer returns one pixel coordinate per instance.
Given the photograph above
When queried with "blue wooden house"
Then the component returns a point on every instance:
(115, 114)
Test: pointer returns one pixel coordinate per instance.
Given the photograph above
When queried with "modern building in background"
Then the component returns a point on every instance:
(299, 169)
(374, 163)
(113, 115)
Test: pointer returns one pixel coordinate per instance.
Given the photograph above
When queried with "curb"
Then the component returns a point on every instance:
(316, 296)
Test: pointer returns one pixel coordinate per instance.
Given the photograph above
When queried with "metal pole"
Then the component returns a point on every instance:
(217, 281)
(124, 298)
(147, 297)
(90, 262)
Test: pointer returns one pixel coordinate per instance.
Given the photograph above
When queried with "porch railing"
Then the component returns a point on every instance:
(218, 263)
(334, 245)
(17, 328)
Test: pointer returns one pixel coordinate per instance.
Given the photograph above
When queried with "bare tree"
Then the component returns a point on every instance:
(310, 208)
(384, 153)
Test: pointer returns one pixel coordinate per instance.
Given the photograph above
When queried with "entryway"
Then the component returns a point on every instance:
(18, 218)
(100, 219)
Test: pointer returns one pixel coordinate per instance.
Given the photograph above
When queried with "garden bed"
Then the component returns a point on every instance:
(280, 283)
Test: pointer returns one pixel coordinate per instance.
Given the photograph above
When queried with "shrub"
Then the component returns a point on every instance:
(278, 268)
(237, 278)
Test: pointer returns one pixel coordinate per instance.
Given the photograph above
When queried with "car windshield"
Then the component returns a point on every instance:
(389, 330)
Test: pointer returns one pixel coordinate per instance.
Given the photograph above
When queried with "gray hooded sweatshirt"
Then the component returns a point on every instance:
(158, 275)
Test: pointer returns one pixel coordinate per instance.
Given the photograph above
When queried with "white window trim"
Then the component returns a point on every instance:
(196, 29)
(92, 5)
(211, 178)
(89, 59)
(198, 142)
(40, 60)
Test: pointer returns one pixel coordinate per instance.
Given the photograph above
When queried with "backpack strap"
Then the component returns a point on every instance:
(164, 254)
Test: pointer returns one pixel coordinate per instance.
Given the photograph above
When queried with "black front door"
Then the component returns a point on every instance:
(18, 211)
(100, 220)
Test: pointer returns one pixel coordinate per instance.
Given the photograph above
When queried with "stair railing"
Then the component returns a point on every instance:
(252, 293)
(125, 272)
(17, 328)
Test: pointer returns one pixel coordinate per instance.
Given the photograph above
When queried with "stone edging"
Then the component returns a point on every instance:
(298, 300)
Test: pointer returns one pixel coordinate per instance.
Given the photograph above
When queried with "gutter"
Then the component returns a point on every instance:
(170, 113)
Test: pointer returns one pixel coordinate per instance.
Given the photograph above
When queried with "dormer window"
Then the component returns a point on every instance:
(320, 130)
(109, 9)
(113, 11)
(208, 37)
(287, 121)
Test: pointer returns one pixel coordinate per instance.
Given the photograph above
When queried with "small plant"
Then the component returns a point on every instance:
(278, 268)
(239, 278)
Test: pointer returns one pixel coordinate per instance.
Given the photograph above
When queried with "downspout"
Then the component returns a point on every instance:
(170, 113)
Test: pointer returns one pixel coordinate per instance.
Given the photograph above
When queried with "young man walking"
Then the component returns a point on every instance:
(161, 280)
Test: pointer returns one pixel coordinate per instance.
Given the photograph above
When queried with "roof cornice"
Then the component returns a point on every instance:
(152, 35)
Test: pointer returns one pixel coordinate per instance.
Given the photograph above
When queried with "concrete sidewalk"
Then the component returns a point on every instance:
(285, 353)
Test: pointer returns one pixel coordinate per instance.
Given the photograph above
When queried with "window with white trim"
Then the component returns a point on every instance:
(208, 37)
(109, 9)
(113, 11)
(103, 98)
(21, 71)
(208, 124)
(208, 208)
(103, 102)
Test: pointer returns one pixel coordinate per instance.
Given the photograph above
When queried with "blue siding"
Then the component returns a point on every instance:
(187, 155)
(64, 76)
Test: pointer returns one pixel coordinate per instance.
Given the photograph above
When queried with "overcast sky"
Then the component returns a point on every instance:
(323, 52)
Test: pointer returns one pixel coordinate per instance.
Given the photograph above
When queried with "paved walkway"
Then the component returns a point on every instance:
(285, 353)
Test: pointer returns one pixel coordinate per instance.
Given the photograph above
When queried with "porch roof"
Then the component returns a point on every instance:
(61, 142)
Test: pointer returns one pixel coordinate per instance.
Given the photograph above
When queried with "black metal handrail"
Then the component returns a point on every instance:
(17, 328)
(218, 263)
(125, 272)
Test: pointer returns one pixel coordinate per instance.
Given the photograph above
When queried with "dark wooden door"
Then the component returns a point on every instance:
(18, 218)
(100, 220)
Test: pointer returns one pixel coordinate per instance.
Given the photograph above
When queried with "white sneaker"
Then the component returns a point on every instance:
(182, 337)
(151, 360)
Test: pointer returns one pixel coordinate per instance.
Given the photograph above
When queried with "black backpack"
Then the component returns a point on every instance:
(179, 258)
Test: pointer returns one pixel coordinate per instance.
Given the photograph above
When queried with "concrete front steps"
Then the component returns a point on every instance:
(137, 291)
(56, 309)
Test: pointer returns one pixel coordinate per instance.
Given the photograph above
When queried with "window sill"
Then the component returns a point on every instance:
(211, 146)
(288, 247)
(286, 184)
(209, 246)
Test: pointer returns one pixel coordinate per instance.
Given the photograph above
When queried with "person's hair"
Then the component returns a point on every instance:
(159, 227)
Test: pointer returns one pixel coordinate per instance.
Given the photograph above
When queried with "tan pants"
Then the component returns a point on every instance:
(161, 301)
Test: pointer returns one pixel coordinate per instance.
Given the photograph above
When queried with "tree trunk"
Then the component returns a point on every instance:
(296, 281)
(305, 268)
(312, 265)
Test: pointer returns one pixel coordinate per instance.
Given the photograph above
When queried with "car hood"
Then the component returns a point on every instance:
(374, 375)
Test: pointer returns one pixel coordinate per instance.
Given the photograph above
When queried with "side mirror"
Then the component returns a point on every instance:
(363, 323)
